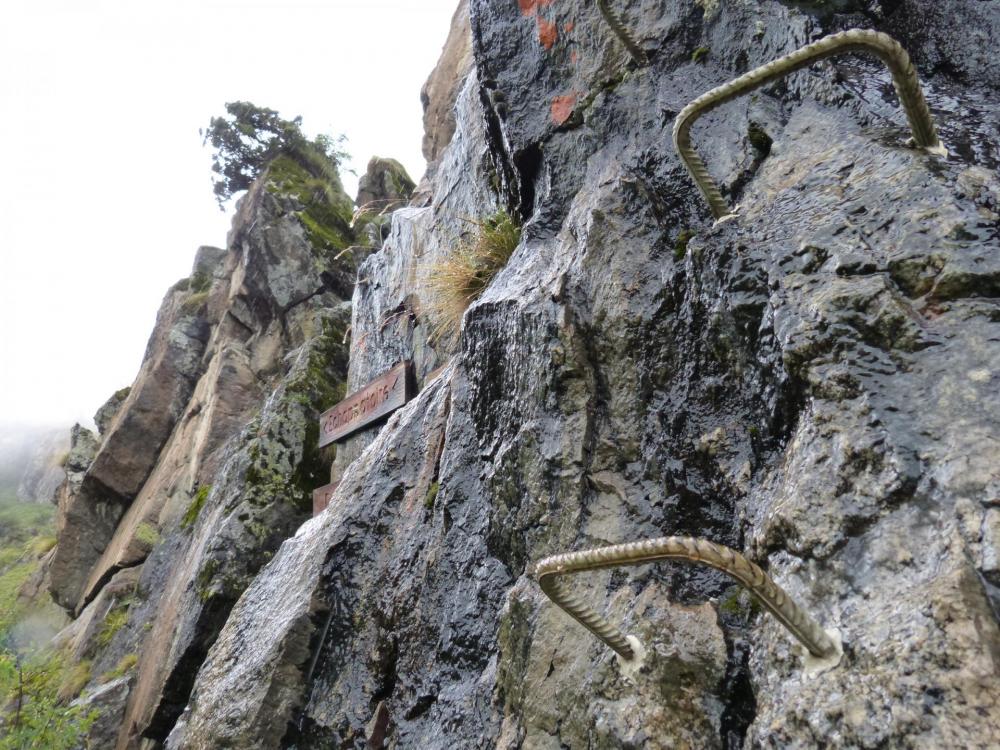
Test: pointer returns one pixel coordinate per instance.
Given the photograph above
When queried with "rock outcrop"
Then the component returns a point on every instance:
(802, 382)
(811, 382)
(208, 461)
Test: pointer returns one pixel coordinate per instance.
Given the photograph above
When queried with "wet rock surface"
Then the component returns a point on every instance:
(811, 382)
(808, 382)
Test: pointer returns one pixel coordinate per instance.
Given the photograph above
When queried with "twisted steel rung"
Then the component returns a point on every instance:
(883, 46)
(618, 26)
(689, 549)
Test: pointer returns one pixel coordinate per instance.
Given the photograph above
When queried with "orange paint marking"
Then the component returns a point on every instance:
(530, 7)
(548, 32)
(562, 107)
(569, 26)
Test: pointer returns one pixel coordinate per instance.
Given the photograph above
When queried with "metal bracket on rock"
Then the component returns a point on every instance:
(613, 20)
(825, 650)
(882, 46)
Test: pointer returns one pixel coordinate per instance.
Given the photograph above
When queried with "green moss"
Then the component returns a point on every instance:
(326, 213)
(205, 577)
(147, 534)
(200, 282)
(124, 665)
(432, 493)
(700, 54)
(191, 514)
(739, 603)
(681, 243)
(759, 139)
(122, 393)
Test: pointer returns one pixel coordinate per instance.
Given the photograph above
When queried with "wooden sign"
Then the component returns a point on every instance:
(322, 496)
(382, 396)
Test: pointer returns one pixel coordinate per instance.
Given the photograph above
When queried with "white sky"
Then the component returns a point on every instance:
(105, 190)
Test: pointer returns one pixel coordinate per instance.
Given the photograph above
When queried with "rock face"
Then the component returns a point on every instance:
(385, 185)
(811, 382)
(208, 461)
(441, 88)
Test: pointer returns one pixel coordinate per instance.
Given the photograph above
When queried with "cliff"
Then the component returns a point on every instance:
(811, 382)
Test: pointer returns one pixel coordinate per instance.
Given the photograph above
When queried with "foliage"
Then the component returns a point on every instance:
(19, 521)
(249, 137)
(33, 714)
(35, 684)
(432, 493)
(113, 622)
(123, 667)
(463, 275)
(191, 514)
(147, 535)
(74, 680)
(681, 245)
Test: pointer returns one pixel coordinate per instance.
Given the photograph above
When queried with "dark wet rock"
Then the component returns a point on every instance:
(810, 382)
(107, 701)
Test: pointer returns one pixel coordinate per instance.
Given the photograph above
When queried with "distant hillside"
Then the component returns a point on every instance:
(30, 458)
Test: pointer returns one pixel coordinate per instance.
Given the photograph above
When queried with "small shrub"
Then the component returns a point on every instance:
(699, 54)
(463, 275)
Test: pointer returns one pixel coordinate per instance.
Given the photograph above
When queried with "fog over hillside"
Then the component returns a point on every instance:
(20, 446)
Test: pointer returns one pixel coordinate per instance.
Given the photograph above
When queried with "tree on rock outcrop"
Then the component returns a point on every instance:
(249, 137)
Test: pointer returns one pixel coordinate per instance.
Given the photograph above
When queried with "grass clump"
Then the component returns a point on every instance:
(73, 681)
(191, 514)
(700, 54)
(681, 244)
(462, 276)
(123, 667)
(432, 493)
(147, 535)
(114, 622)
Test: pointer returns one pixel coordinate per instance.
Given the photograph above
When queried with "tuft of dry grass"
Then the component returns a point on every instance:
(460, 277)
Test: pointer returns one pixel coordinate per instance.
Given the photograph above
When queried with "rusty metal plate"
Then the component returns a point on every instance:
(381, 396)
(321, 497)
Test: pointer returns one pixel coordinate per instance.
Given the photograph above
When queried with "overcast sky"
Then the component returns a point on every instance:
(106, 189)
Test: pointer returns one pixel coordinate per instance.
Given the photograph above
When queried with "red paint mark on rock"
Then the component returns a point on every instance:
(530, 7)
(568, 27)
(548, 32)
(562, 107)
(573, 57)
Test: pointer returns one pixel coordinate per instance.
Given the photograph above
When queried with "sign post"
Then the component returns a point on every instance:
(380, 397)
(322, 496)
